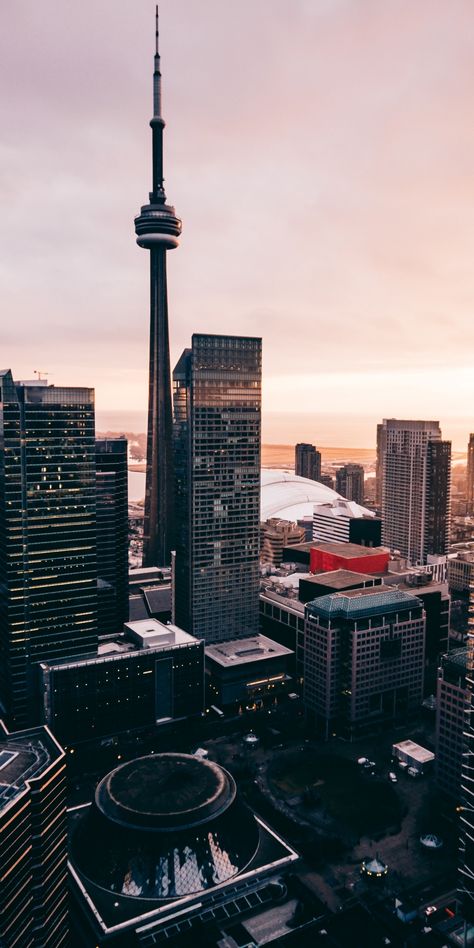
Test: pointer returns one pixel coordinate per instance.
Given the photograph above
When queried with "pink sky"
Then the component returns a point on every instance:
(320, 154)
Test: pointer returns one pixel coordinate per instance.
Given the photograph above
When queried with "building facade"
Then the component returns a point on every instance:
(217, 424)
(158, 229)
(48, 563)
(470, 475)
(33, 840)
(149, 675)
(307, 461)
(363, 659)
(416, 506)
(275, 535)
(112, 533)
(248, 673)
(343, 521)
(450, 721)
(350, 482)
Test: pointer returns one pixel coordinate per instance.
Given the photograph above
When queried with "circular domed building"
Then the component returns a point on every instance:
(164, 826)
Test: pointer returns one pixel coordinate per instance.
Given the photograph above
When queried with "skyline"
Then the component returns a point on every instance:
(331, 153)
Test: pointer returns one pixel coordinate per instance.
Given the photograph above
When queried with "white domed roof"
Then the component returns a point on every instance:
(291, 497)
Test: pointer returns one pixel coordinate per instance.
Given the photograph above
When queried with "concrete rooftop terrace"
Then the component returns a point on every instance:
(243, 651)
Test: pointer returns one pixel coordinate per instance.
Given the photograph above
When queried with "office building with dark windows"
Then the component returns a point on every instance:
(307, 461)
(416, 483)
(350, 482)
(112, 534)
(168, 850)
(451, 703)
(158, 229)
(217, 423)
(33, 841)
(249, 673)
(150, 674)
(48, 563)
(363, 659)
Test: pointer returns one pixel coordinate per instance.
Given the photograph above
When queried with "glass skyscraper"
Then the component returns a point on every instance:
(48, 569)
(217, 424)
(112, 534)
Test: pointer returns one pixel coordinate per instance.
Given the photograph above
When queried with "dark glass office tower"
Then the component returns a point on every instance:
(217, 420)
(48, 569)
(112, 534)
(157, 229)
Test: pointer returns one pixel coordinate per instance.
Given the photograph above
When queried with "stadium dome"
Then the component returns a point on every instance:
(290, 497)
(164, 826)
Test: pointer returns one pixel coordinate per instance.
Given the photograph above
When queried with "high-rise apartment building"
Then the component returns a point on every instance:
(381, 440)
(363, 658)
(112, 534)
(416, 489)
(217, 421)
(307, 461)
(48, 567)
(157, 229)
(470, 475)
(350, 482)
(33, 840)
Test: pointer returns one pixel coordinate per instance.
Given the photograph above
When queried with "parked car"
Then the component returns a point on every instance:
(413, 772)
(393, 777)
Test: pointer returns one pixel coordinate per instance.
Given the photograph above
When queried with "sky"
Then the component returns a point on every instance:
(320, 154)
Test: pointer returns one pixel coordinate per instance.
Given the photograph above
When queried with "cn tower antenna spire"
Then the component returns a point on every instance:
(157, 72)
(158, 229)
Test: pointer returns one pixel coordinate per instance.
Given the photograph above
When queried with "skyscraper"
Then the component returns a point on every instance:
(112, 534)
(157, 229)
(33, 840)
(217, 417)
(307, 461)
(350, 482)
(467, 780)
(470, 474)
(416, 501)
(48, 569)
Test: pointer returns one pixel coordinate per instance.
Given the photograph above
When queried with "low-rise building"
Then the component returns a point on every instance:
(363, 659)
(150, 674)
(344, 521)
(247, 672)
(413, 754)
(275, 535)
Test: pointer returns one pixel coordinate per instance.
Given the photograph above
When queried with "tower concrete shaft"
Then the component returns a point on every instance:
(157, 229)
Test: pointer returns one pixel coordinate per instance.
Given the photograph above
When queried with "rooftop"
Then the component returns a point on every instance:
(457, 658)
(24, 756)
(414, 750)
(338, 578)
(244, 651)
(348, 550)
(289, 497)
(165, 791)
(363, 603)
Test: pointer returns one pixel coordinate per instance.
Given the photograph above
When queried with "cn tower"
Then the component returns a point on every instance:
(157, 229)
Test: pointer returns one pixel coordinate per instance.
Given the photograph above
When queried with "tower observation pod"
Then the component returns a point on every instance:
(157, 229)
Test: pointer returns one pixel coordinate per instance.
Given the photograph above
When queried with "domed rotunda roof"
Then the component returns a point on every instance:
(164, 826)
